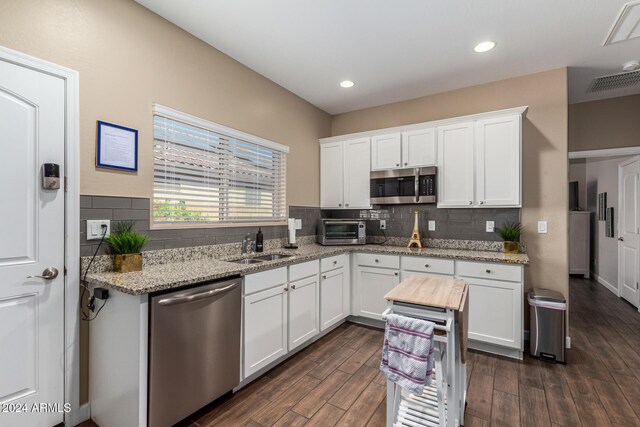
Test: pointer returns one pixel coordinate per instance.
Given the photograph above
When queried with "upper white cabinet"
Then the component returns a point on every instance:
(419, 148)
(455, 165)
(344, 174)
(410, 149)
(479, 163)
(498, 161)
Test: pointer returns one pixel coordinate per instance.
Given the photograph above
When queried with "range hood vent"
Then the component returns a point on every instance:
(614, 81)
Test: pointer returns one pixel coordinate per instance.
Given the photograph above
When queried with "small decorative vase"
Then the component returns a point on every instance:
(126, 263)
(510, 247)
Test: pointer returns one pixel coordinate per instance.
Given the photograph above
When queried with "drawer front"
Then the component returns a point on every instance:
(484, 270)
(333, 262)
(265, 280)
(383, 261)
(428, 265)
(305, 269)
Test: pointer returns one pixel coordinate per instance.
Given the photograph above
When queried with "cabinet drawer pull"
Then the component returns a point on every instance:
(426, 265)
(377, 260)
(335, 262)
(339, 204)
(470, 202)
(396, 273)
(405, 163)
(293, 286)
(324, 276)
(397, 164)
(346, 204)
(488, 271)
(482, 202)
(286, 289)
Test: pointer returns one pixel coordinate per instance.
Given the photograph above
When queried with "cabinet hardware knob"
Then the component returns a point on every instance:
(426, 265)
(286, 289)
(293, 286)
(377, 260)
(621, 239)
(482, 202)
(405, 163)
(339, 204)
(335, 262)
(324, 276)
(488, 271)
(470, 202)
(396, 273)
(347, 204)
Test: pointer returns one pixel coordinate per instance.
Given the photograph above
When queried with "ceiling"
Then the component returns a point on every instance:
(397, 50)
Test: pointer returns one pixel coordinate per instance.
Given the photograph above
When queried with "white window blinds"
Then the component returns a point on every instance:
(203, 174)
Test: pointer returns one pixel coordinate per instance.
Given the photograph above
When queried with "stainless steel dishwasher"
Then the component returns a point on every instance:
(194, 349)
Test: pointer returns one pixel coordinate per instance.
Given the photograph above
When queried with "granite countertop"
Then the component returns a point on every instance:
(172, 275)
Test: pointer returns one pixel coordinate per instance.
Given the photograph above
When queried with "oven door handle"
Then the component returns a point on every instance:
(341, 222)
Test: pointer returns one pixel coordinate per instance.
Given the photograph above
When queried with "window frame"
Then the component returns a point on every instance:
(188, 119)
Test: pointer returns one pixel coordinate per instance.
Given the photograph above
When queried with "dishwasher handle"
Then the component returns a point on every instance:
(197, 296)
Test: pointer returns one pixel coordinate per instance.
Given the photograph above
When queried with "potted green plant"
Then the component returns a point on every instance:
(127, 244)
(510, 233)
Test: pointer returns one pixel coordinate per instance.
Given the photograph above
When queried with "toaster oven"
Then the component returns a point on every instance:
(342, 232)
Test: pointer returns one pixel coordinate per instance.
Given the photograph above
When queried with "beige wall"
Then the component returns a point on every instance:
(609, 123)
(129, 58)
(544, 154)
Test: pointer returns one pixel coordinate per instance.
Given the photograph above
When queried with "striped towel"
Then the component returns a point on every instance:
(407, 354)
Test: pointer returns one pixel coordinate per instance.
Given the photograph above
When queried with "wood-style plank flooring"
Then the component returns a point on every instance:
(336, 380)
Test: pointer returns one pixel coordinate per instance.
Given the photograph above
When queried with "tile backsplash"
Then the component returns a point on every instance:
(462, 224)
(137, 210)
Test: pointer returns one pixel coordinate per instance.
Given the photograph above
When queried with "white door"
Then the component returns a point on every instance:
(419, 148)
(628, 228)
(331, 178)
(455, 165)
(373, 285)
(333, 301)
(303, 310)
(385, 151)
(265, 328)
(32, 114)
(357, 165)
(498, 161)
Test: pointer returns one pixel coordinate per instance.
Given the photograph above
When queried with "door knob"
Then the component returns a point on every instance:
(621, 239)
(49, 273)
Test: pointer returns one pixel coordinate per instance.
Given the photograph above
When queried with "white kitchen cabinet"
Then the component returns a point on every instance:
(419, 148)
(498, 174)
(427, 267)
(304, 307)
(386, 151)
(331, 175)
(455, 165)
(495, 306)
(335, 291)
(265, 323)
(344, 174)
(372, 285)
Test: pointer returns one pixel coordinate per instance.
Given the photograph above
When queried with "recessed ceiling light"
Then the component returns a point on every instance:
(347, 84)
(484, 46)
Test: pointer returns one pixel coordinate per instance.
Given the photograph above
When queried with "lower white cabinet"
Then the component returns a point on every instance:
(265, 322)
(335, 291)
(373, 284)
(303, 310)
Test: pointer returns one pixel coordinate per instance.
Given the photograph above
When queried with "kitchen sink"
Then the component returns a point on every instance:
(272, 257)
(246, 261)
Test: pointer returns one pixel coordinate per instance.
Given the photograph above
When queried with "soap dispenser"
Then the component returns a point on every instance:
(259, 243)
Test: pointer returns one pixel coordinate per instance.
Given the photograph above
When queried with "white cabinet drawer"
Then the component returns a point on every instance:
(491, 271)
(331, 263)
(374, 260)
(265, 280)
(428, 265)
(305, 269)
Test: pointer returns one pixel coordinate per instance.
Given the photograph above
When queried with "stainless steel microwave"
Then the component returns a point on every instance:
(403, 186)
(342, 232)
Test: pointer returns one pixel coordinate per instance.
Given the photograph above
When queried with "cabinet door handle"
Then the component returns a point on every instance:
(397, 164)
(324, 276)
(293, 286)
(488, 271)
(286, 289)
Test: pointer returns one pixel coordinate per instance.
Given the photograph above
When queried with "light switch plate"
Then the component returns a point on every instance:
(491, 225)
(432, 225)
(383, 224)
(298, 224)
(94, 228)
(542, 227)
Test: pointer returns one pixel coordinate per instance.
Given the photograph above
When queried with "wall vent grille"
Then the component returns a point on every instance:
(614, 81)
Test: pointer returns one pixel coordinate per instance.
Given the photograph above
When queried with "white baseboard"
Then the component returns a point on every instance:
(606, 284)
(83, 414)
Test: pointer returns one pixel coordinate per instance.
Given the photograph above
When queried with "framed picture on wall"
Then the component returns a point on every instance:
(117, 147)
(610, 232)
(602, 206)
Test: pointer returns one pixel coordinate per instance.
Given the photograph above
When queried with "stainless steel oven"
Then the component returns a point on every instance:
(342, 232)
(403, 186)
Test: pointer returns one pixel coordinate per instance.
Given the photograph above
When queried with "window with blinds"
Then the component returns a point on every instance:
(205, 173)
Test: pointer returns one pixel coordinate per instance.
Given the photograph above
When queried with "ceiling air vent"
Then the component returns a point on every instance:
(627, 25)
(614, 81)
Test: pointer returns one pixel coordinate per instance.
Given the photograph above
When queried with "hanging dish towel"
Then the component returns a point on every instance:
(407, 355)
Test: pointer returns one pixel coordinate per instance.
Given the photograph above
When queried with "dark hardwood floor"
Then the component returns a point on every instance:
(336, 380)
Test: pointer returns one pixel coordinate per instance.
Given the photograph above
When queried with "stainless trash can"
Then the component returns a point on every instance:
(547, 333)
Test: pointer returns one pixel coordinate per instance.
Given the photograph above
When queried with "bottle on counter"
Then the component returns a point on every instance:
(259, 240)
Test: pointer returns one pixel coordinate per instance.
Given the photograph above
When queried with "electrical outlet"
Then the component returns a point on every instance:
(383, 224)
(94, 228)
(490, 226)
(298, 224)
(542, 227)
(432, 225)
